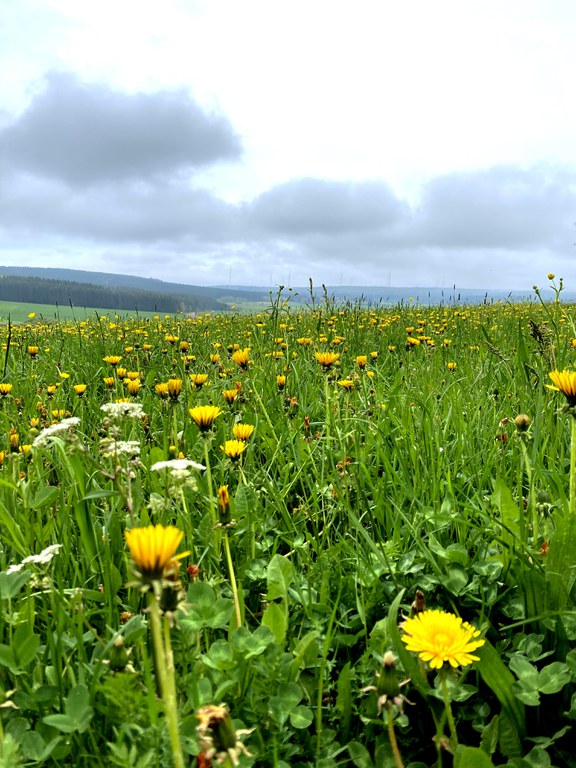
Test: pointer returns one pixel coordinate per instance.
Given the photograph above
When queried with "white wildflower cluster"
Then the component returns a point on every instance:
(110, 447)
(176, 465)
(55, 430)
(123, 410)
(43, 558)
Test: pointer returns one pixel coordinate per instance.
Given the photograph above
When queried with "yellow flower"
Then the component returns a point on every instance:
(79, 389)
(32, 351)
(162, 389)
(565, 382)
(152, 548)
(437, 636)
(281, 382)
(112, 359)
(240, 357)
(550, 275)
(346, 384)
(5, 389)
(204, 416)
(108, 381)
(133, 386)
(230, 395)
(327, 359)
(451, 366)
(174, 387)
(198, 379)
(233, 449)
(242, 431)
(223, 504)
(361, 361)
(31, 315)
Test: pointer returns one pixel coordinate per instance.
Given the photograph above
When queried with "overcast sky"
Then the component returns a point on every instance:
(373, 142)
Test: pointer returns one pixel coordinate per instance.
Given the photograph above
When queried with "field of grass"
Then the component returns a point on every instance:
(19, 312)
(380, 573)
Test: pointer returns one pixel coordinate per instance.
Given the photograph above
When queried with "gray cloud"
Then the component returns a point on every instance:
(85, 134)
(309, 206)
(497, 208)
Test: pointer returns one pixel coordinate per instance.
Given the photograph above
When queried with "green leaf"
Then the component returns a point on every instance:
(561, 563)
(25, 644)
(63, 723)
(245, 502)
(472, 757)
(554, 677)
(12, 583)
(284, 702)
(45, 496)
(498, 677)
(360, 755)
(276, 619)
(305, 652)
(301, 717)
(279, 576)
(248, 644)
(509, 513)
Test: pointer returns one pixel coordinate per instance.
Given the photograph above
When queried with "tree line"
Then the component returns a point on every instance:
(36, 290)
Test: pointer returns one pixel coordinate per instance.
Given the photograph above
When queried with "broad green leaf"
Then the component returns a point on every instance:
(561, 563)
(472, 757)
(554, 677)
(301, 717)
(360, 755)
(12, 583)
(276, 619)
(498, 677)
(279, 576)
(45, 496)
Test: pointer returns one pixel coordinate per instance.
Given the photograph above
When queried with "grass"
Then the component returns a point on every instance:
(350, 503)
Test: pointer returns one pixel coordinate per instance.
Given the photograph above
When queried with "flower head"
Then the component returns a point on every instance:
(174, 387)
(242, 431)
(112, 359)
(230, 395)
(327, 359)
(152, 548)
(198, 379)
(438, 636)
(240, 357)
(204, 416)
(233, 449)
(5, 389)
(565, 382)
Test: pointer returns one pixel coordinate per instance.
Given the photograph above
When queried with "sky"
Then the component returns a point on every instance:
(266, 142)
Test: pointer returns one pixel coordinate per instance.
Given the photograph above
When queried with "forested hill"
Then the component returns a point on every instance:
(132, 282)
(36, 290)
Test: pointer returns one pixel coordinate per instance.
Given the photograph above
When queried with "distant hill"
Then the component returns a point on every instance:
(215, 297)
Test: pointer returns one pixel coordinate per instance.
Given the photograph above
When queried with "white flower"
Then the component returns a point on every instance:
(176, 465)
(111, 447)
(123, 410)
(41, 559)
(55, 429)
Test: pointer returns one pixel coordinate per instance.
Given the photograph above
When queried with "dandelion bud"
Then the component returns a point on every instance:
(522, 422)
(388, 684)
(224, 504)
(118, 658)
(419, 603)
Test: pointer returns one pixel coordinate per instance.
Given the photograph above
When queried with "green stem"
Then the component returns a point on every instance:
(211, 503)
(170, 701)
(392, 736)
(237, 611)
(573, 465)
(449, 715)
(328, 405)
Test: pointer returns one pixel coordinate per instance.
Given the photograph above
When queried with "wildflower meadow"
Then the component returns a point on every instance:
(320, 535)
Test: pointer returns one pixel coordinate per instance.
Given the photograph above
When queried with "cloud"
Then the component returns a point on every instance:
(497, 208)
(309, 206)
(86, 134)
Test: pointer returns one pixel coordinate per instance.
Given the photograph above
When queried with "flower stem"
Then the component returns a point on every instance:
(164, 664)
(392, 736)
(449, 715)
(573, 465)
(234, 586)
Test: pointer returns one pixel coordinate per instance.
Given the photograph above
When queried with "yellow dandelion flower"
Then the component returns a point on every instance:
(32, 350)
(198, 379)
(361, 361)
(174, 387)
(133, 386)
(108, 381)
(438, 636)
(204, 416)
(233, 449)
(5, 389)
(152, 548)
(346, 384)
(565, 382)
(242, 431)
(240, 357)
(452, 366)
(281, 382)
(230, 395)
(79, 389)
(162, 389)
(327, 359)
(112, 359)
(31, 315)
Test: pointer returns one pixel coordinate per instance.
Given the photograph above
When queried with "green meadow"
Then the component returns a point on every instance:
(330, 536)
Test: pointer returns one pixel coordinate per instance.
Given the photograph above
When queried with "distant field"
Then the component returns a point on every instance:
(18, 312)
